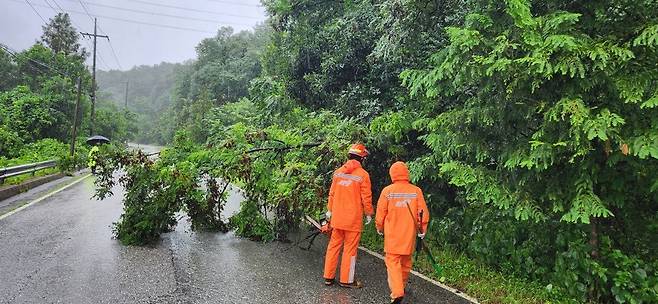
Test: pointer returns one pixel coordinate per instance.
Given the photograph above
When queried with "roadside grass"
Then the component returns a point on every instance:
(43, 150)
(471, 277)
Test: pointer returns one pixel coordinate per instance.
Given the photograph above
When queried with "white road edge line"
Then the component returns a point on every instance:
(44, 197)
(424, 277)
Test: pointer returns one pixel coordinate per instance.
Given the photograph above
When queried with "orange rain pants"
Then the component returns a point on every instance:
(349, 240)
(398, 268)
(398, 217)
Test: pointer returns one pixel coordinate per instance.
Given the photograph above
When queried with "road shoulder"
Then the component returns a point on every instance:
(23, 200)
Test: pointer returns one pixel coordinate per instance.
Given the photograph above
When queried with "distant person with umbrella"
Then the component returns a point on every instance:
(95, 141)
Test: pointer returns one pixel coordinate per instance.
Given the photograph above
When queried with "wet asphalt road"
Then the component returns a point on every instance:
(61, 250)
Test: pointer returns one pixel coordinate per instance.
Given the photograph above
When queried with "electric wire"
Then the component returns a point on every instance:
(57, 4)
(79, 27)
(235, 3)
(86, 10)
(114, 54)
(17, 54)
(35, 11)
(181, 8)
(102, 61)
(14, 52)
(189, 29)
(162, 14)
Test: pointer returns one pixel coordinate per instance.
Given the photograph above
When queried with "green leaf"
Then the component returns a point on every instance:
(648, 37)
(650, 103)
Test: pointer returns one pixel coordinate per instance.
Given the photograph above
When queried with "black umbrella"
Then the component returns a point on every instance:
(97, 140)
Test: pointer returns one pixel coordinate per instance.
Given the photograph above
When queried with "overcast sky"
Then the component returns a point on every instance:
(141, 31)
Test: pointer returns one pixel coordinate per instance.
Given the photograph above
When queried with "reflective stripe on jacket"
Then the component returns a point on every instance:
(350, 197)
(398, 210)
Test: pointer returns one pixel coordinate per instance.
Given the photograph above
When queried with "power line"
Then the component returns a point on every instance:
(115, 54)
(151, 24)
(108, 39)
(235, 3)
(193, 9)
(162, 14)
(16, 54)
(35, 11)
(54, 10)
(91, 48)
(135, 21)
(60, 8)
(76, 25)
(45, 23)
(86, 10)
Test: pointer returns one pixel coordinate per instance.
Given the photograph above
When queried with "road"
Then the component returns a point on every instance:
(60, 250)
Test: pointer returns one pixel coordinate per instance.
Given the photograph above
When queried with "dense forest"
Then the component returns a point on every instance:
(38, 92)
(531, 126)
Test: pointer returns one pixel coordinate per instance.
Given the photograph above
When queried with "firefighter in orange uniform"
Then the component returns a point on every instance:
(350, 197)
(398, 219)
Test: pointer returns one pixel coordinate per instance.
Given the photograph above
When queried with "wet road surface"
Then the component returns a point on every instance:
(61, 250)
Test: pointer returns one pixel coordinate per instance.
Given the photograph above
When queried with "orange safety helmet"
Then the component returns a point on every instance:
(359, 150)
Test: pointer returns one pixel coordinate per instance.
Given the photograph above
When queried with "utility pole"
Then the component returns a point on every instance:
(126, 105)
(93, 79)
(75, 117)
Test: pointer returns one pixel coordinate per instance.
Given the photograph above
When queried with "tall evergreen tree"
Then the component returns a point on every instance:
(60, 36)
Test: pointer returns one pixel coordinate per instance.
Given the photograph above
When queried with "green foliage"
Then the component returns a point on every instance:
(60, 36)
(27, 114)
(68, 163)
(222, 73)
(539, 102)
(115, 124)
(283, 166)
(10, 142)
(251, 223)
(472, 277)
(8, 77)
(42, 150)
(157, 189)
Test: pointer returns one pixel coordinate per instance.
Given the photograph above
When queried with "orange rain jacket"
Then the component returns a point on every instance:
(350, 196)
(393, 214)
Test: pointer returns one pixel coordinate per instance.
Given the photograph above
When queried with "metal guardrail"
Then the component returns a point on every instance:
(25, 169)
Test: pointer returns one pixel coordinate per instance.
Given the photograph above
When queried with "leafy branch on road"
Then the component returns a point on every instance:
(155, 191)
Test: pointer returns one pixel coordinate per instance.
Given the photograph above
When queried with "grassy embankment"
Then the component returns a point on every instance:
(471, 277)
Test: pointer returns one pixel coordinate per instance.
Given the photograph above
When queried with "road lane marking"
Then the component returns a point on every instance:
(44, 197)
(426, 278)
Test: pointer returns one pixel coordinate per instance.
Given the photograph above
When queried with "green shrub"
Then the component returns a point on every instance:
(10, 143)
(250, 223)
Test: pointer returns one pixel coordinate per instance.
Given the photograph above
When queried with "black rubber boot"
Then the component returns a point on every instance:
(397, 300)
(328, 282)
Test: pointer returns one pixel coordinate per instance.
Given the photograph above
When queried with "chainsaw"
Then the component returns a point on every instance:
(321, 227)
